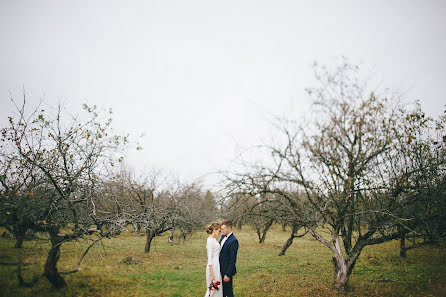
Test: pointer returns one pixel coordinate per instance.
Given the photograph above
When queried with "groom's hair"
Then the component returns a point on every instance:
(227, 223)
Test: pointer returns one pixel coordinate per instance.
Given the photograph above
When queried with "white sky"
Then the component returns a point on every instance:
(200, 78)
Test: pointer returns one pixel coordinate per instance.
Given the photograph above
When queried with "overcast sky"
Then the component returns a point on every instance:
(201, 78)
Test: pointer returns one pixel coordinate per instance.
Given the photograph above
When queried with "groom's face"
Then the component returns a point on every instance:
(225, 230)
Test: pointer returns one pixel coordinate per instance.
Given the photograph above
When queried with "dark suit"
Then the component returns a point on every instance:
(228, 257)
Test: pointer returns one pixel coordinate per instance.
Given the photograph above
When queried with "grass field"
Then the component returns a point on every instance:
(178, 269)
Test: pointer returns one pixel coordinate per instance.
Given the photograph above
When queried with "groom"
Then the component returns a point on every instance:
(228, 257)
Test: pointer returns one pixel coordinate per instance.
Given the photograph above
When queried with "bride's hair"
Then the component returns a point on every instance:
(211, 227)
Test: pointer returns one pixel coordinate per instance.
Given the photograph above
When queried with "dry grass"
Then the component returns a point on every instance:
(123, 269)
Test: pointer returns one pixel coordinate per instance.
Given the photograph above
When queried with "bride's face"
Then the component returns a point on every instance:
(217, 232)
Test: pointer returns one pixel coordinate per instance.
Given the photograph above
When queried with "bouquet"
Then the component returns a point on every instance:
(215, 285)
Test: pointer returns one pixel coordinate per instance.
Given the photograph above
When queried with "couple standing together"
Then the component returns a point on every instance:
(221, 258)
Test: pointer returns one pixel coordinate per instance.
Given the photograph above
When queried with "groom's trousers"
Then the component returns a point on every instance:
(227, 289)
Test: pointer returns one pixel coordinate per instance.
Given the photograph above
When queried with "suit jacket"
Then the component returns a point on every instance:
(228, 256)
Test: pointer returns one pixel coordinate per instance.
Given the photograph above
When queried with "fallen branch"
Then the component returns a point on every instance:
(81, 258)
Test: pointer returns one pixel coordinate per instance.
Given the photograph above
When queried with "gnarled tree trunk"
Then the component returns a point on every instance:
(19, 234)
(170, 239)
(343, 267)
(50, 271)
(286, 245)
(19, 238)
(403, 246)
(340, 273)
(262, 234)
(150, 235)
(289, 241)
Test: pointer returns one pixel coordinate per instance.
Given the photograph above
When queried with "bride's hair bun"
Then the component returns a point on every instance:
(211, 227)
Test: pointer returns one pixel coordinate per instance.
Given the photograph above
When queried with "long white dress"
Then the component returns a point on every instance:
(213, 251)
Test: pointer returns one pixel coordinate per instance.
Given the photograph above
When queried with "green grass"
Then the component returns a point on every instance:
(178, 269)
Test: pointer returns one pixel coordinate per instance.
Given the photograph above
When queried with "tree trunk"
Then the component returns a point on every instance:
(19, 234)
(342, 267)
(403, 246)
(341, 271)
(170, 239)
(184, 234)
(50, 271)
(341, 274)
(265, 230)
(19, 238)
(150, 236)
(287, 244)
(259, 234)
(289, 241)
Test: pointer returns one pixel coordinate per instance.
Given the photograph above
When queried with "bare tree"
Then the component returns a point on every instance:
(20, 190)
(68, 155)
(337, 161)
(417, 168)
(261, 215)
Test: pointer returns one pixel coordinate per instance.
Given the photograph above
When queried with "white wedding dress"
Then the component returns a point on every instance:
(213, 251)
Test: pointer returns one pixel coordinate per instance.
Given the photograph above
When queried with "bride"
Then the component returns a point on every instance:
(213, 265)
